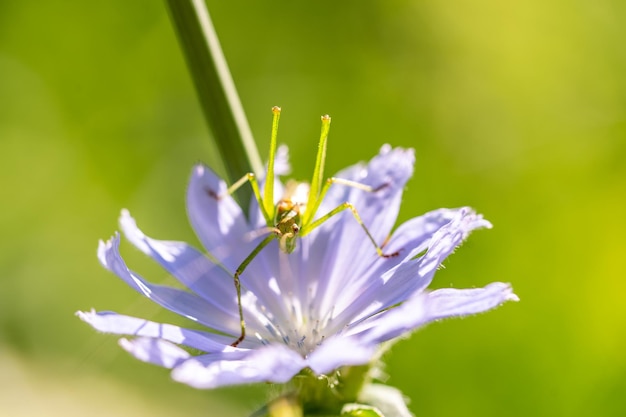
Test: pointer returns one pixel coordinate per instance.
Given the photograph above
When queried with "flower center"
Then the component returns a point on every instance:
(298, 327)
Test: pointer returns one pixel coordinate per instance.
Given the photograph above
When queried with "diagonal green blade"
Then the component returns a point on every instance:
(216, 90)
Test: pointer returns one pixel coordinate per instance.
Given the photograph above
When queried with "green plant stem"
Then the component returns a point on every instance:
(216, 90)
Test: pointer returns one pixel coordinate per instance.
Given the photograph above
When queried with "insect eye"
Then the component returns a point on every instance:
(295, 228)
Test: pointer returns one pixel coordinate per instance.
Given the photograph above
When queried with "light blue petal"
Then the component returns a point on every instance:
(219, 223)
(223, 230)
(388, 288)
(411, 235)
(186, 264)
(274, 363)
(410, 239)
(213, 283)
(451, 302)
(180, 302)
(346, 249)
(281, 161)
(390, 169)
(110, 322)
(336, 352)
(155, 351)
(270, 278)
(427, 307)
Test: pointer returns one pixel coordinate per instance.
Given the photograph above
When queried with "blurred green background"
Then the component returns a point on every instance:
(517, 109)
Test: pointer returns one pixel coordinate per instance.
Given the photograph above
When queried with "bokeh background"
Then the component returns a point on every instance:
(515, 108)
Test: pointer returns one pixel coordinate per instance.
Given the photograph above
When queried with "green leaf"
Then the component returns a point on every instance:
(216, 91)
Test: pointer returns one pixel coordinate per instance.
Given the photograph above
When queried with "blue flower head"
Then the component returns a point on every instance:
(328, 304)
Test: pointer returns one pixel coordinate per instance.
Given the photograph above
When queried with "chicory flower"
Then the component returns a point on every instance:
(329, 304)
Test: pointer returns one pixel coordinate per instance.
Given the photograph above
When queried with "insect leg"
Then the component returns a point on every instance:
(238, 273)
(306, 229)
(308, 215)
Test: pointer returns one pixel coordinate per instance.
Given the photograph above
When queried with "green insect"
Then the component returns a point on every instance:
(294, 214)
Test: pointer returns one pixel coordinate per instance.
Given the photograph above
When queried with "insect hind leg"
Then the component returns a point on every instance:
(356, 184)
(315, 203)
(348, 206)
(237, 281)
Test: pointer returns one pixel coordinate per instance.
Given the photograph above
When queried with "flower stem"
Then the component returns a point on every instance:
(216, 90)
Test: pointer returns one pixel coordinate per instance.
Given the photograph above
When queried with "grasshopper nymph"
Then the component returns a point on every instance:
(294, 214)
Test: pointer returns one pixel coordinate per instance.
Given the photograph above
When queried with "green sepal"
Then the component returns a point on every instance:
(360, 410)
(287, 405)
(388, 399)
